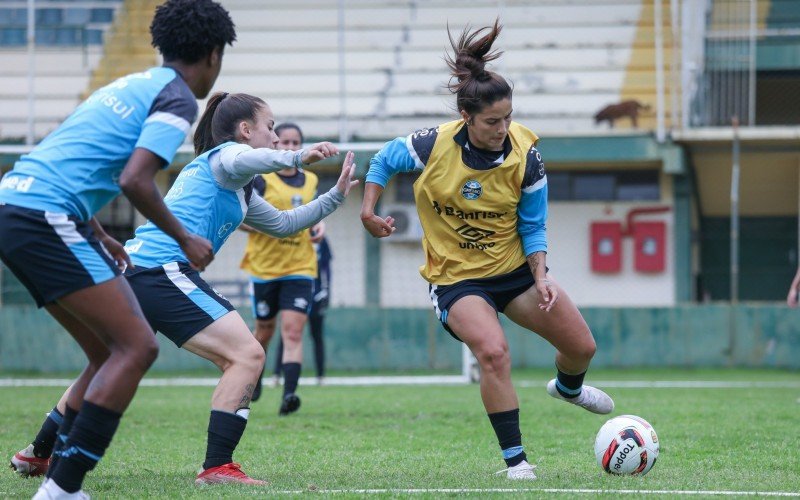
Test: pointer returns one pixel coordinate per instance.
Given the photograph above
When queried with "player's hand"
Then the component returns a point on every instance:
(317, 152)
(317, 232)
(548, 291)
(198, 250)
(346, 181)
(117, 252)
(377, 226)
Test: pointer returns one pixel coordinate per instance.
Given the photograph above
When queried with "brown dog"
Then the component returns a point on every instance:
(614, 112)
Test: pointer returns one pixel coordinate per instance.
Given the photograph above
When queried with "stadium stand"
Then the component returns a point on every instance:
(566, 60)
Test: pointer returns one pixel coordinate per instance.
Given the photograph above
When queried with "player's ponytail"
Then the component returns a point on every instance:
(222, 116)
(475, 86)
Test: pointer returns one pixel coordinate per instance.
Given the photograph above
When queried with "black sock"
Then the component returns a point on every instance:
(61, 436)
(224, 431)
(291, 375)
(87, 442)
(278, 358)
(506, 426)
(315, 322)
(569, 386)
(44, 441)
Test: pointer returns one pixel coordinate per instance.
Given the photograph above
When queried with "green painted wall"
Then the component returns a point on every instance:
(410, 339)
(767, 257)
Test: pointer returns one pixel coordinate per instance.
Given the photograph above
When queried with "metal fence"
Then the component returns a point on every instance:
(747, 51)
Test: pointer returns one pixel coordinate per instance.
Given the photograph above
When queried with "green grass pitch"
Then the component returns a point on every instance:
(401, 438)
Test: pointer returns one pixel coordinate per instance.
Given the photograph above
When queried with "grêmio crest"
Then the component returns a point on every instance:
(472, 190)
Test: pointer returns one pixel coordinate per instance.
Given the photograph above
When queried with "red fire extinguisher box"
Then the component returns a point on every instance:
(606, 247)
(649, 239)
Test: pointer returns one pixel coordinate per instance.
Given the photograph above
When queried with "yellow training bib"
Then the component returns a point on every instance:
(267, 257)
(469, 216)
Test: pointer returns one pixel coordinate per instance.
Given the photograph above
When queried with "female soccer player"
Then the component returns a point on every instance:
(116, 140)
(482, 202)
(283, 270)
(212, 196)
(316, 314)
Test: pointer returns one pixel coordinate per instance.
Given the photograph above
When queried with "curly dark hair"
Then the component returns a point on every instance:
(188, 30)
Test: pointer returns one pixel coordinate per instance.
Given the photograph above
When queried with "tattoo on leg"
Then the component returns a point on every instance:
(247, 396)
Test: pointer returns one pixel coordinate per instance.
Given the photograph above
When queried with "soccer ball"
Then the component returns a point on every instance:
(626, 445)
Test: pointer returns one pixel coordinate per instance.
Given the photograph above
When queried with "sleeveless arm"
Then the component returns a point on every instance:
(280, 223)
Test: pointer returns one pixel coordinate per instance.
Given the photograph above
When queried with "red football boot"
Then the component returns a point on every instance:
(226, 473)
(26, 464)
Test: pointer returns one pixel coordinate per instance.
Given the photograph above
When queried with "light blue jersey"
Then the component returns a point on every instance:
(204, 208)
(212, 196)
(76, 169)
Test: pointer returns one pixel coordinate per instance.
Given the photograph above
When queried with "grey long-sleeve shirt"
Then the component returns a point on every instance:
(234, 166)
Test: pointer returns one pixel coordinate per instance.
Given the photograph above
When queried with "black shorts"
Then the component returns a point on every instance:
(175, 300)
(291, 294)
(498, 291)
(52, 254)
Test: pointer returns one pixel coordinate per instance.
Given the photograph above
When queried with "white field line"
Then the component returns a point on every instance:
(565, 491)
(425, 380)
(679, 384)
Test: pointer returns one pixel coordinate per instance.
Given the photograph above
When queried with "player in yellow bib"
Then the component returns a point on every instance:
(283, 270)
(482, 201)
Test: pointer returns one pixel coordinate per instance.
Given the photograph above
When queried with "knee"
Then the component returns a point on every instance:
(494, 358)
(255, 356)
(96, 360)
(264, 331)
(250, 357)
(146, 354)
(292, 335)
(584, 350)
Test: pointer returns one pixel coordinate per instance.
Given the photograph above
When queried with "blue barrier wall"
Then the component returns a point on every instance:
(754, 335)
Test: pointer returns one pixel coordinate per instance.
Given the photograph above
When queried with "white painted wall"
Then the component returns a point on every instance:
(569, 258)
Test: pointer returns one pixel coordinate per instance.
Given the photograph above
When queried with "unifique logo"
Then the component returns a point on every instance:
(472, 190)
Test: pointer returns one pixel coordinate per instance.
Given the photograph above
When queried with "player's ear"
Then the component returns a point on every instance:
(244, 129)
(215, 56)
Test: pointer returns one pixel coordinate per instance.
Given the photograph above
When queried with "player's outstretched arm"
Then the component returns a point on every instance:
(374, 224)
(317, 152)
(281, 223)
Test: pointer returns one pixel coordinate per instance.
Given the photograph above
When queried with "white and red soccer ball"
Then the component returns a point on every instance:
(626, 445)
